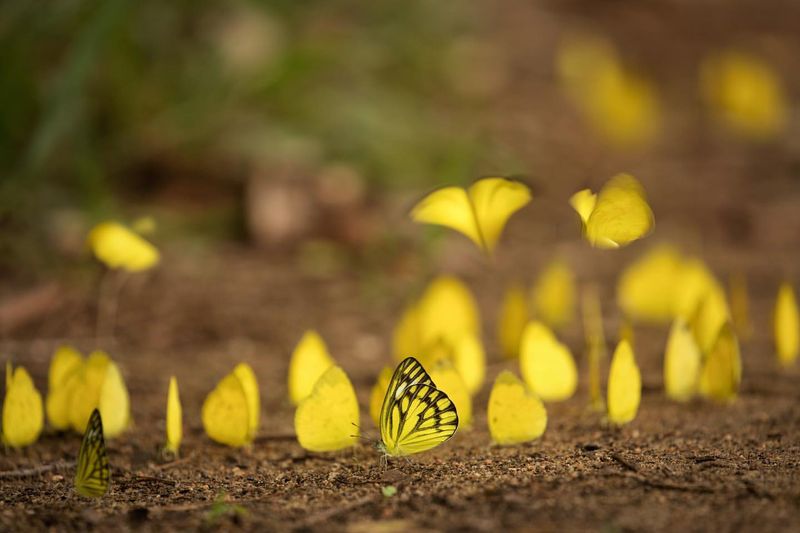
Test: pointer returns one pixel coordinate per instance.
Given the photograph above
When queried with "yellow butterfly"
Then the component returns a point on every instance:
(99, 384)
(247, 378)
(546, 364)
(65, 368)
(327, 420)
(174, 418)
(479, 212)
(515, 414)
(118, 247)
(23, 412)
(646, 288)
(618, 215)
(554, 295)
(92, 476)
(740, 305)
(449, 381)
(447, 309)
(513, 318)
(710, 316)
(415, 415)
(682, 361)
(309, 361)
(722, 371)
(624, 385)
(227, 410)
(786, 325)
(745, 93)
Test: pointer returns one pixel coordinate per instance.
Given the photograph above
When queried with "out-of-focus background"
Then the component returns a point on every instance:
(309, 128)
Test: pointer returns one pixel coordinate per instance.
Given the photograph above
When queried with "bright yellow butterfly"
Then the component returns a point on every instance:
(226, 412)
(710, 316)
(746, 94)
(92, 476)
(99, 384)
(513, 317)
(515, 414)
(624, 385)
(327, 420)
(415, 415)
(174, 418)
(309, 361)
(646, 289)
(65, 367)
(554, 295)
(447, 309)
(618, 215)
(786, 325)
(722, 371)
(118, 247)
(682, 361)
(23, 412)
(546, 364)
(479, 212)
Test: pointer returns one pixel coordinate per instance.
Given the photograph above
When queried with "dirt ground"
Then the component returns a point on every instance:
(695, 467)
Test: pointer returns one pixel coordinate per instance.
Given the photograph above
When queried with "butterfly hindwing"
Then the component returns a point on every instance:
(415, 416)
(92, 475)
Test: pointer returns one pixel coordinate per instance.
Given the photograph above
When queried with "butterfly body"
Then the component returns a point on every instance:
(415, 415)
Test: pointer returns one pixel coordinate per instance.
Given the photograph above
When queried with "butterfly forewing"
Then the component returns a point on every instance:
(416, 416)
(92, 475)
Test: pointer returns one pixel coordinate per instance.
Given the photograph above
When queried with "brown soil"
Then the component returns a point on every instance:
(695, 467)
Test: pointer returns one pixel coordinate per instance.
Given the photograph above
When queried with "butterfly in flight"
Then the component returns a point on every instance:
(92, 475)
(415, 415)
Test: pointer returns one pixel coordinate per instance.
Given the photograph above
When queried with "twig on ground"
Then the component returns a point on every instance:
(333, 512)
(36, 471)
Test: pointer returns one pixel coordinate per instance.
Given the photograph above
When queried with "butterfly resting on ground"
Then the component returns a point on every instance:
(415, 415)
(92, 475)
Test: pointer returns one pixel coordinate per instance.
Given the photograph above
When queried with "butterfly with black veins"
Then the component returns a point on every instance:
(92, 476)
(415, 415)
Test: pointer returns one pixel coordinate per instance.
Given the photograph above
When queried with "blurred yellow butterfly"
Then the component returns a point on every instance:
(98, 383)
(682, 361)
(516, 414)
(618, 215)
(309, 361)
(174, 418)
(546, 364)
(23, 412)
(624, 385)
(328, 419)
(118, 247)
(479, 212)
(415, 415)
(514, 316)
(65, 368)
(786, 325)
(554, 295)
(646, 290)
(711, 314)
(722, 371)
(92, 475)
(227, 412)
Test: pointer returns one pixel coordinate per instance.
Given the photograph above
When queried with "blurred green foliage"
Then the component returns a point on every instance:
(94, 91)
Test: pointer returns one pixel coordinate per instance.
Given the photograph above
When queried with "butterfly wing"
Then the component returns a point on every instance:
(226, 413)
(624, 385)
(92, 475)
(494, 201)
(174, 417)
(415, 416)
(621, 214)
(450, 207)
(327, 420)
(515, 414)
(23, 413)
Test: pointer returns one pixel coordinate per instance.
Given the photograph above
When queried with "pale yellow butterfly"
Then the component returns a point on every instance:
(118, 247)
(624, 385)
(479, 212)
(722, 370)
(682, 361)
(328, 419)
(174, 418)
(618, 215)
(515, 414)
(65, 368)
(309, 361)
(23, 411)
(226, 413)
(514, 316)
(546, 364)
(786, 325)
(553, 295)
